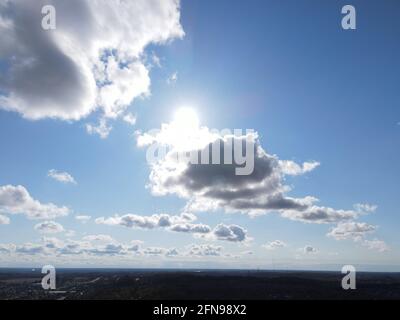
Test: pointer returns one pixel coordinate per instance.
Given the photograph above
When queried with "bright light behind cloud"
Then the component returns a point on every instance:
(184, 132)
(186, 119)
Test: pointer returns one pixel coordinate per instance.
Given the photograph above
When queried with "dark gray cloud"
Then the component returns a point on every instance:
(216, 186)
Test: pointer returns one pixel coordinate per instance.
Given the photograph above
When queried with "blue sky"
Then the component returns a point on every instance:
(312, 91)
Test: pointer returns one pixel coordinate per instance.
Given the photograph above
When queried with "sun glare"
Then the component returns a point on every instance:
(186, 118)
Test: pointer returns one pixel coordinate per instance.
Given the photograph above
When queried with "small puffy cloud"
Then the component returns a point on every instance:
(102, 129)
(291, 168)
(154, 251)
(358, 231)
(309, 249)
(63, 177)
(55, 246)
(98, 237)
(155, 60)
(172, 252)
(317, 214)
(70, 233)
(135, 245)
(4, 219)
(204, 250)
(159, 251)
(49, 227)
(130, 119)
(274, 245)
(83, 218)
(173, 78)
(365, 207)
(52, 243)
(233, 233)
(351, 230)
(17, 200)
(376, 244)
(74, 248)
(80, 67)
(190, 228)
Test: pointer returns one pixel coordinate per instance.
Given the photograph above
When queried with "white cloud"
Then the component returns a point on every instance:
(98, 237)
(358, 231)
(94, 59)
(51, 246)
(317, 214)
(365, 207)
(309, 249)
(291, 168)
(274, 245)
(204, 250)
(191, 228)
(7, 248)
(87, 249)
(376, 244)
(4, 220)
(178, 223)
(109, 249)
(49, 227)
(154, 251)
(145, 222)
(130, 118)
(52, 242)
(173, 78)
(155, 60)
(217, 186)
(63, 177)
(351, 230)
(233, 233)
(102, 129)
(30, 249)
(70, 233)
(172, 252)
(17, 200)
(83, 218)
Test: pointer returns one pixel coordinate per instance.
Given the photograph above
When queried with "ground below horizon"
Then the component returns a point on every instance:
(94, 284)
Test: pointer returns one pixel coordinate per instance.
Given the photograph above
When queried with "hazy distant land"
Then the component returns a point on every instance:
(195, 284)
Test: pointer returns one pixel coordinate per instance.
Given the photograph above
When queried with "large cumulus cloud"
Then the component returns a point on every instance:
(217, 186)
(94, 59)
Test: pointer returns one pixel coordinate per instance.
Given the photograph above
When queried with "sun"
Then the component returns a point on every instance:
(186, 118)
